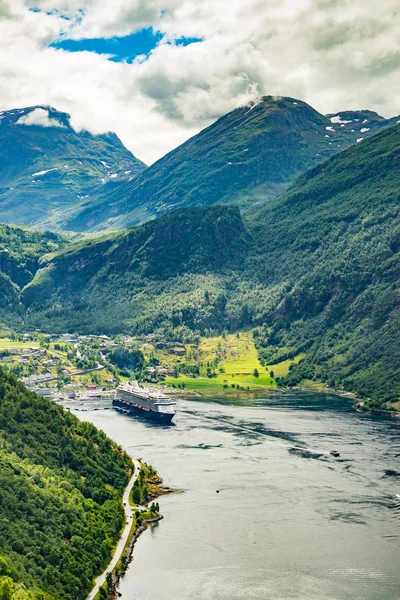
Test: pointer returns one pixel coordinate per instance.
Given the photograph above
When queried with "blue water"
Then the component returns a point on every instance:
(290, 522)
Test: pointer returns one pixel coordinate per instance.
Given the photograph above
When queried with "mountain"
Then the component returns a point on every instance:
(315, 272)
(46, 167)
(246, 157)
(127, 273)
(330, 248)
(61, 486)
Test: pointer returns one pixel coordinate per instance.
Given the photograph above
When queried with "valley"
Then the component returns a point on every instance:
(83, 368)
(199, 300)
(275, 286)
(86, 367)
(313, 273)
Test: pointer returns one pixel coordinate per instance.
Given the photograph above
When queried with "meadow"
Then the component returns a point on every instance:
(227, 364)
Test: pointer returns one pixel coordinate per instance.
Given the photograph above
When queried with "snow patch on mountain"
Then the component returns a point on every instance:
(338, 119)
(40, 173)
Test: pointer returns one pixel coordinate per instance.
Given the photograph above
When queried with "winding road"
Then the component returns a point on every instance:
(124, 536)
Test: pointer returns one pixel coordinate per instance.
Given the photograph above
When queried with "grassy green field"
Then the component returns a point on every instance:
(6, 343)
(101, 376)
(234, 359)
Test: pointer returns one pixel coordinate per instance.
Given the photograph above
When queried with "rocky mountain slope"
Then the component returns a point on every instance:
(46, 167)
(248, 156)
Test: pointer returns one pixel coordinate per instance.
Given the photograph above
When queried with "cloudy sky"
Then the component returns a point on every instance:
(158, 71)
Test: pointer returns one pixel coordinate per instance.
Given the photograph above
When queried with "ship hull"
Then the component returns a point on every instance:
(151, 415)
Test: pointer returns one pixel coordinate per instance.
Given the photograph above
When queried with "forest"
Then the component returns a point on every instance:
(61, 485)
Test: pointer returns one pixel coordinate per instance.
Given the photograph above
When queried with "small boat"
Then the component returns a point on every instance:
(334, 453)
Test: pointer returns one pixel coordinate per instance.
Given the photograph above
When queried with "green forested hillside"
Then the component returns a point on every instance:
(61, 484)
(144, 278)
(246, 157)
(335, 246)
(314, 271)
(20, 251)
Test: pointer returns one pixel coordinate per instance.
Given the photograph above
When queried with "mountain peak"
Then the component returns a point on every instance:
(39, 116)
(46, 167)
(246, 157)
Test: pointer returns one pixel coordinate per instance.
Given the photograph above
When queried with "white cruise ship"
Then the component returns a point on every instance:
(150, 404)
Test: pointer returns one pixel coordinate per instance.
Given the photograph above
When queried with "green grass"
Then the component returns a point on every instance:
(102, 375)
(6, 343)
(238, 359)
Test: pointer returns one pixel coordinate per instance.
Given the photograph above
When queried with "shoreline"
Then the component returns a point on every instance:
(124, 536)
(117, 574)
(127, 555)
(358, 403)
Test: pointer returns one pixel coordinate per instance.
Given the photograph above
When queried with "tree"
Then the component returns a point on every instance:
(6, 588)
(136, 497)
(131, 359)
(109, 581)
(256, 373)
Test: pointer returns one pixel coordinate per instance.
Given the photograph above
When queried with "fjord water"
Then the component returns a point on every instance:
(289, 521)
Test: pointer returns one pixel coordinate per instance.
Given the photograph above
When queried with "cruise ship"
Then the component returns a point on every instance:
(154, 405)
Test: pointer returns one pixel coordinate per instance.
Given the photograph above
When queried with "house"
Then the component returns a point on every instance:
(177, 351)
(45, 392)
(91, 386)
(69, 337)
(161, 370)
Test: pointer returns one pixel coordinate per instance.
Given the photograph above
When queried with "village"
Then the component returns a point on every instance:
(84, 367)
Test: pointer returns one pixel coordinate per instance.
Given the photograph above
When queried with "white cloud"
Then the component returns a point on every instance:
(334, 54)
(40, 117)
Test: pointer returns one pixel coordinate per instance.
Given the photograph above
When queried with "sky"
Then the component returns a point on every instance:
(158, 71)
